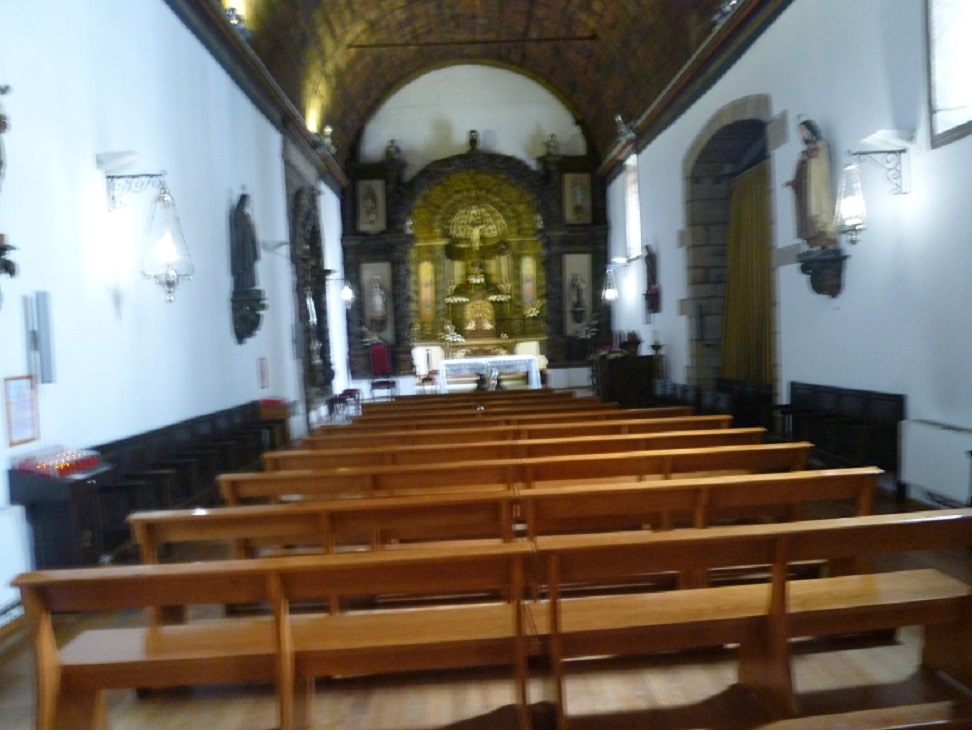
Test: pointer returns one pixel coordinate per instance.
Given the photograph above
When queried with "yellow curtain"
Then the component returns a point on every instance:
(747, 325)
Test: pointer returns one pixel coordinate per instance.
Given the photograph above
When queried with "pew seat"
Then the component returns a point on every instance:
(762, 619)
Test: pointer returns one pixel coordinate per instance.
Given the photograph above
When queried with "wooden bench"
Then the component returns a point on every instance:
(761, 618)
(498, 474)
(71, 678)
(490, 397)
(666, 463)
(506, 474)
(285, 648)
(546, 405)
(329, 526)
(352, 438)
(379, 523)
(702, 502)
(505, 449)
(485, 419)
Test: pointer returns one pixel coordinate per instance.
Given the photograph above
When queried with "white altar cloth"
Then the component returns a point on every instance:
(500, 363)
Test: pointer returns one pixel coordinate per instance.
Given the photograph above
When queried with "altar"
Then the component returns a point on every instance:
(529, 364)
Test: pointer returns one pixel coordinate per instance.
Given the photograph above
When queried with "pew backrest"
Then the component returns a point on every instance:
(411, 454)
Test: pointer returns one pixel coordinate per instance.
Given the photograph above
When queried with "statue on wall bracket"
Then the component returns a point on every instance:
(248, 301)
(7, 266)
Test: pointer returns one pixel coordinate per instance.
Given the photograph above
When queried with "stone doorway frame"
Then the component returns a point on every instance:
(705, 240)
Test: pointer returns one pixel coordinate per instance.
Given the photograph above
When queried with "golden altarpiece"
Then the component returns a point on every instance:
(476, 254)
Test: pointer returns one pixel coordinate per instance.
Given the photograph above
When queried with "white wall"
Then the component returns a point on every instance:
(431, 117)
(903, 322)
(113, 75)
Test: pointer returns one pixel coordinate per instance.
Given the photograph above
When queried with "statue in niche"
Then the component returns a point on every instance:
(247, 301)
(812, 190)
(377, 303)
(578, 302)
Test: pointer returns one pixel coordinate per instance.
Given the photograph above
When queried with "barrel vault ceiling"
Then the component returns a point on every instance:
(338, 60)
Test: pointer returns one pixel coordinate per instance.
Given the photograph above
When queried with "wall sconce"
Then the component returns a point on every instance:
(347, 295)
(850, 216)
(165, 257)
(347, 291)
(851, 213)
(609, 292)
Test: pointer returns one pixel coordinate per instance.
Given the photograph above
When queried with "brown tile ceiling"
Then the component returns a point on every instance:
(600, 57)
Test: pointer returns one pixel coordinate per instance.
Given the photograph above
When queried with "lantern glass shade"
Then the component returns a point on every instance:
(166, 257)
(609, 293)
(347, 295)
(851, 213)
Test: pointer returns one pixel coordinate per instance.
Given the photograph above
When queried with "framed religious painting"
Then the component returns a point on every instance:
(20, 398)
(371, 206)
(577, 198)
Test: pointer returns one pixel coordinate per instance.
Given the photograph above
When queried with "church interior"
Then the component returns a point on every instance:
(231, 228)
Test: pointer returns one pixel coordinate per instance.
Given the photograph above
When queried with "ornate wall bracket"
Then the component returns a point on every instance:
(247, 306)
(825, 267)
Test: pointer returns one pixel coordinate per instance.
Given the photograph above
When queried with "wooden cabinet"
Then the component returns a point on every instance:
(625, 379)
(65, 515)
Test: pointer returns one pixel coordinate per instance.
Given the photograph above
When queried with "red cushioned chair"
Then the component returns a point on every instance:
(381, 370)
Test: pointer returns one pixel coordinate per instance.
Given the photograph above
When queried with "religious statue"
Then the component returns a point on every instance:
(553, 145)
(377, 305)
(247, 300)
(3, 128)
(812, 191)
(7, 266)
(473, 140)
(578, 300)
(244, 249)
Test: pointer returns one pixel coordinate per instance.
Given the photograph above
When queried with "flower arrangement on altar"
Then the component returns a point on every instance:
(369, 337)
(533, 311)
(504, 293)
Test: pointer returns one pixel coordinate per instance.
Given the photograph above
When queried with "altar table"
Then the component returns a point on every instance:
(499, 363)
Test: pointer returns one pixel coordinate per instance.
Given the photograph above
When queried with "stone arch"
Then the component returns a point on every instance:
(732, 140)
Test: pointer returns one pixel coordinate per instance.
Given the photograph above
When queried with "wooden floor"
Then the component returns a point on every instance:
(673, 692)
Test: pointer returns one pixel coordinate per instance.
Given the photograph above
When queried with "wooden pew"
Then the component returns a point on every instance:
(506, 474)
(622, 426)
(72, 678)
(666, 463)
(489, 397)
(585, 403)
(387, 521)
(286, 648)
(699, 503)
(351, 438)
(432, 453)
(485, 419)
(328, 526)
(761, 618)
(499, 475)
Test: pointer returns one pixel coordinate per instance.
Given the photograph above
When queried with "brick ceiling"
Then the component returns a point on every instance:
(600, 57)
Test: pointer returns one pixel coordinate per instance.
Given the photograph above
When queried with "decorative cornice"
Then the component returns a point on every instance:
(724, 46)
(204, 18)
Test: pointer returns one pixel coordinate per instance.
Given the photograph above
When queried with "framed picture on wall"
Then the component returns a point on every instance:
(371, 206)
(577, 198)
(20, 398)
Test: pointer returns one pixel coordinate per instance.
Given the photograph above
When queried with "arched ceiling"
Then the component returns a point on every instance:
(337, 60)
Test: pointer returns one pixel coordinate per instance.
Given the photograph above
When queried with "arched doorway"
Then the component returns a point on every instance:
(731, 301)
